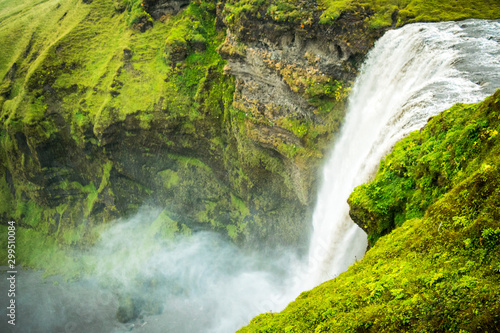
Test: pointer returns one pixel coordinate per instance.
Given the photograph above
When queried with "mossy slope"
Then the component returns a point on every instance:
(440, 269)
(104, 110)
(426, 165)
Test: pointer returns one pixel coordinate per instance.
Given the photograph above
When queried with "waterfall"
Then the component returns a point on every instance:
(203, 283)
(411, 74)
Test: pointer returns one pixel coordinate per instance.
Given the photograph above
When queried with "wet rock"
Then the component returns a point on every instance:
(129, 309)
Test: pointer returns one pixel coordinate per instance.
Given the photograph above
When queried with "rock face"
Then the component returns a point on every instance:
(290, 73)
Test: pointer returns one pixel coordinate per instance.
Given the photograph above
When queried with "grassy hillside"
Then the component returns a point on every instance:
(439, 270)
(72, 73)
(399, 12)
(379, 14)
(88, 66)
(94, 60)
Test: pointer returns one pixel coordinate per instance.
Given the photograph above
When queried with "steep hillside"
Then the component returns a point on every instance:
(439, 269)
(104, 110)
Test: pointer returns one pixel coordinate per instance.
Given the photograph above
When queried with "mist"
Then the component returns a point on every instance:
(144, 282)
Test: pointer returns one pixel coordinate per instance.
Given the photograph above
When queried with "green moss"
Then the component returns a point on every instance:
(33, 30)
(5, 196)
(206, 215)
(136, 12)
(105, 176)
(242, 209)
(92, 195)
(29, 212)
(34, 249)
(289, 150)
(399, 12)
(166, 228)
(74, 235)
(426, 165)
(239, 215)
(299, 127)
(190, 161)
(298, 12)
(169, 178)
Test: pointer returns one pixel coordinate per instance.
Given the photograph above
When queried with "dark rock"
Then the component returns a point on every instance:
(394, 17)
(159, 8)
(144, 24)
(128, 310)
(127, 54)
(11, 73)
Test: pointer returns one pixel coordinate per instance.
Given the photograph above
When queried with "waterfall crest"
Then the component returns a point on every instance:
(411, 74)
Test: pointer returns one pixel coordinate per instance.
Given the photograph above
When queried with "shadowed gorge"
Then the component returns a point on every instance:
(167, 155)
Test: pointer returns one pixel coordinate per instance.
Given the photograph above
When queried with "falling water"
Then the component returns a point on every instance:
(411, 74)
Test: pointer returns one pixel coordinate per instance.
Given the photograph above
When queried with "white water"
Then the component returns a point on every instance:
(412, 74)
(208, 285)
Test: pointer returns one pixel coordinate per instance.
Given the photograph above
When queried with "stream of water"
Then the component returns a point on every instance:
(202, 283)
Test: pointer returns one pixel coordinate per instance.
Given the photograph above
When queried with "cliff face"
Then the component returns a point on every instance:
(221, 120)
(292, 79)
(217, 112)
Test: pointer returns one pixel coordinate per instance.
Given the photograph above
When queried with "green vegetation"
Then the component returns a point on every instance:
(380, 14)
(74, 71)
(400, 12)
(120, 69)
(136, 13)
(296, 11)
(103, 108)
(440, 269)
(426, 165)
